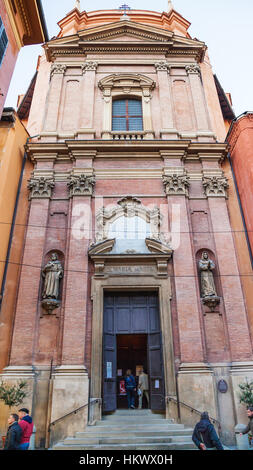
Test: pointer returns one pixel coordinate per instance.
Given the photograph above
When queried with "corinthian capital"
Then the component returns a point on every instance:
(90, 65)
(41, 188)
(162, 65)
(81, 185)
(176, 185)
(192, 68)
(215, 186)
(58, 69)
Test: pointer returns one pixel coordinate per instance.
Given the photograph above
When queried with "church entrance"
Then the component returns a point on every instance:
(131, 354)
(132, 340)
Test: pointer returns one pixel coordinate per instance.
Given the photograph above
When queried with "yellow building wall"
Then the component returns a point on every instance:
(12, 140)
(13, 137)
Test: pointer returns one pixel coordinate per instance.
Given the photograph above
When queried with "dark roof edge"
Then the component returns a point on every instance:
(43, 20)
(227, 110)
(32, 84)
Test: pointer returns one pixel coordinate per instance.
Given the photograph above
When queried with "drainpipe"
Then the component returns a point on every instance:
(13, 221)
(241, 209)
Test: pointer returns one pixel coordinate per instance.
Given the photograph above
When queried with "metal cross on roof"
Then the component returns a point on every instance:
(125, 8)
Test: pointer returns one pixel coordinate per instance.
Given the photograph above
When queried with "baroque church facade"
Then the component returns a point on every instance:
(129, 256)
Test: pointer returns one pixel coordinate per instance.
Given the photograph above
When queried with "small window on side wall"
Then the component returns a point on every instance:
(127, 115)
(3, 41)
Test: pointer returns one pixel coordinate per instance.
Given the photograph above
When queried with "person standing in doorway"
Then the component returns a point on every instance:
(26, 424)
(130, 385)
(143, 387)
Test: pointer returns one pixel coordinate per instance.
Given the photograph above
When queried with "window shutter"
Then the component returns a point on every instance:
(3, 41)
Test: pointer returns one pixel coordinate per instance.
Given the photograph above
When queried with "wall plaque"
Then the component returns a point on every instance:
(222, 386)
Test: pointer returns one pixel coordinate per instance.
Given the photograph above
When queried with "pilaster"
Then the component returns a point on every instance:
(74, 332)
(184, 269)
(201, 112)
(86, 131)
(168, 131)
(30, 276)
(54, 98)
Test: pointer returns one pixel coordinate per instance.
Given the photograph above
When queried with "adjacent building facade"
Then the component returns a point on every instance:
(21, 23)
(129, 257)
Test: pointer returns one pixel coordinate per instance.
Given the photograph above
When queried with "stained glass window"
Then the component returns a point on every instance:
(127, 115)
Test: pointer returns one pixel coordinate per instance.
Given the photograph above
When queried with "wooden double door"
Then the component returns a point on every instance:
(132, 338)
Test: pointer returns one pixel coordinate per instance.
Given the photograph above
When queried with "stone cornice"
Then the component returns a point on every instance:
(197, 151)
(127, 48)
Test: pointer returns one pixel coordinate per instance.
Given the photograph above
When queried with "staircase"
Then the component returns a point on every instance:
(131, 430)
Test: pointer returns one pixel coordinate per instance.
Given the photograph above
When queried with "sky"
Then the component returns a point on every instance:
(224, 25)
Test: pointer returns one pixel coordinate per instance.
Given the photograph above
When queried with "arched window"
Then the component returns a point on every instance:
(127, 115)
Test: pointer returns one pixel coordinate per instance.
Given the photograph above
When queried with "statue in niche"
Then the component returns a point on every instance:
(206, 266)
(208, 290)
(52, 273)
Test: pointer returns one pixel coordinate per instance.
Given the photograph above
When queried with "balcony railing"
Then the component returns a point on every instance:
(128, 135)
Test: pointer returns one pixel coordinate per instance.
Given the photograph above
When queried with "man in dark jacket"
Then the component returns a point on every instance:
(249, 427)
(130, 385)
(14, 432)
(205, 436)
(26, 424)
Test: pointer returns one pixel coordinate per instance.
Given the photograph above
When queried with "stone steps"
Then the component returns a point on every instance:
(125, 433)
(128, 447)
(131, 430)
(130, 426)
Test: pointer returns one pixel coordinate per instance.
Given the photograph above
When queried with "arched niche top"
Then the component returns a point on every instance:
(126, 82)
(200, 251)
(58, 252)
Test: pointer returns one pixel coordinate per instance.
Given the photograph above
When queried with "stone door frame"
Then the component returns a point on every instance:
(128, 283)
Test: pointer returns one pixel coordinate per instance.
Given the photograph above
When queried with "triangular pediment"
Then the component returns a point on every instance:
(124, 34)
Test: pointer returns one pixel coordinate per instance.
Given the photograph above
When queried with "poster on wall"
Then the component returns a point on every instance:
(122, 388)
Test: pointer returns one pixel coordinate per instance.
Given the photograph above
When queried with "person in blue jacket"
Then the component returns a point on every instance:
(130, 385)
(205, 436)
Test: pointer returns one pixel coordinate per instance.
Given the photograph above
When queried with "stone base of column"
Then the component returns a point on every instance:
(84, 134)
(196, 389)
(70, 391)
(205, 136)
(169, 134)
